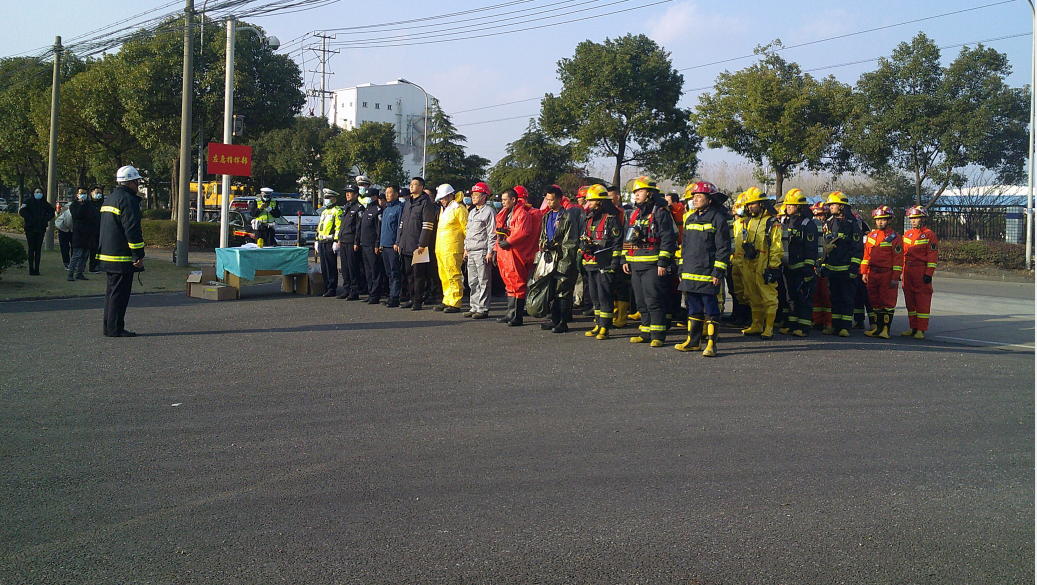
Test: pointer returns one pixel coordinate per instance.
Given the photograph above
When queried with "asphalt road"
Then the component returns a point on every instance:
(282, 439)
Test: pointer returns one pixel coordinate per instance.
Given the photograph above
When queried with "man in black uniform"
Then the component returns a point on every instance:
(350, 251)
(413, 237)
(121, 249)
(649, 243)
(368, 237)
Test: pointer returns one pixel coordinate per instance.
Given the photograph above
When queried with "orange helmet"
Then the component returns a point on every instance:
(917, 211)
(882, 212)
(818, 208)
(583, 191)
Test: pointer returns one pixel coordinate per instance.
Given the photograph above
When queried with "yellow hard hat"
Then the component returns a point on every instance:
(642, 183)
(837, 197)
(795, 197)
(754, 195)
(598, 193)
(740, 200)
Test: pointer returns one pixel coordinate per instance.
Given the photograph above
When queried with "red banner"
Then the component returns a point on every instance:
(230, 159)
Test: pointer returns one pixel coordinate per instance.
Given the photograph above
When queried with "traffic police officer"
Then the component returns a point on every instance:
(368, 240)
(326, 246)
(263, 212)
(349, 250)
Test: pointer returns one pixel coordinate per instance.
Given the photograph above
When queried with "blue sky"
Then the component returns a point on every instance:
(470, 73)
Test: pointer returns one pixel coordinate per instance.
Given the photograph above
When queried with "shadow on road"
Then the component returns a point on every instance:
(313, 328)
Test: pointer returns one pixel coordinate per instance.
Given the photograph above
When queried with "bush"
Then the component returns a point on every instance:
(1000, 254)
(157, 214)
(12, 222)
(12, 253)
(162, 233)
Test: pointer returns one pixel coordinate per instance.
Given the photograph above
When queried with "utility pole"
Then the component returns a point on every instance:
(183, 216)
(322, 55)
(228, 131)
(201, 118)
(52, 157)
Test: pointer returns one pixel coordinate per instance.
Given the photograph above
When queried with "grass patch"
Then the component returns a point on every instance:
(159, 276)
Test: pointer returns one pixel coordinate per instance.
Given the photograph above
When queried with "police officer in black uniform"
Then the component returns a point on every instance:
(121, 249)
(349, 252)
(369, 235)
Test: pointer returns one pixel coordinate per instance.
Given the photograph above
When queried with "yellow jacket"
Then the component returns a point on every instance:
(764, 233)
(453, 222)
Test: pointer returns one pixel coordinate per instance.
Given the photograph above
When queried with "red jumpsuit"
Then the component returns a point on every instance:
(920, 251)
(822, 304)
(883, 263)
(523, 233)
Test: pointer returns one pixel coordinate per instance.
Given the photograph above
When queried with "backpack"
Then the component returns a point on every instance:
(64, 220)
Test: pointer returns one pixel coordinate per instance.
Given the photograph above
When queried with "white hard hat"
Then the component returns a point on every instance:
(266, 190)
(362, 180)
(126, 174)
(444, 191)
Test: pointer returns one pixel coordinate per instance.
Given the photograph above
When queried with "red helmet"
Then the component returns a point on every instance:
(583, 191)
(818, 208)
(700, 187)
(521, 192)
(882, 212)
(481, 188)
(917, 211)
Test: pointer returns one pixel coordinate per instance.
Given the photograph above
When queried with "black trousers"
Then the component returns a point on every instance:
(65, 243)
(34, 241)
(375, 272)
(801, 297)
(351, 269)
(417, 277)
(601, 297)
(94, 263)
(862, 304)
(841, 291)
(116, 299)
(328, 265)
(267, 235)
(650, 293)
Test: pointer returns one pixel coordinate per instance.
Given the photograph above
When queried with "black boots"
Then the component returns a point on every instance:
(563, 316)
(510, 313)
(520, 311)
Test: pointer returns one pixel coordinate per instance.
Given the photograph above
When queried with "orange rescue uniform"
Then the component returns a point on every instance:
(883, 263)
(921, 254)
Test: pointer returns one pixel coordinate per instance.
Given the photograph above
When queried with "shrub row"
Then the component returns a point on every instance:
(1000, 254)
(12, 222)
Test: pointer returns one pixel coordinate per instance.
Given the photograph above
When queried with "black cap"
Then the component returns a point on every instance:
(351, 188)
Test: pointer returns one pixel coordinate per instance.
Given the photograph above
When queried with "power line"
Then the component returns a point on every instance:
(496, 105)
(860, 32)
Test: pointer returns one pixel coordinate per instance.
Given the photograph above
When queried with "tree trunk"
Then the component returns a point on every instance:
(620, 153)
(779, 183)
(174, 190)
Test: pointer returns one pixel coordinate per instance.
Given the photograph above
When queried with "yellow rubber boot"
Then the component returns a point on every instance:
(694, 335)
(602, 335)
(768, 328)
(829, 330)
(757, 327)
(658, 343)
(620, 320)
(593, 332)
(712, 332)
(908, 333)
(919, 334)
(635, 316)
(887, 322)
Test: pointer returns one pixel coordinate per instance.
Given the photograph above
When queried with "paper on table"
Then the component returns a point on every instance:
(420, 258)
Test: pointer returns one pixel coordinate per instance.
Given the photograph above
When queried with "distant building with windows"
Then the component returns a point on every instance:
(399, 104)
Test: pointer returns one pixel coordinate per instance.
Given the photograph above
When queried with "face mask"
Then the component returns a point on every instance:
(467, 200)
(497, 205)
(363, 190)
(82, 196)
(328, 202)
(38, 195)
(266, 198)
(97, 196)
(365, 201)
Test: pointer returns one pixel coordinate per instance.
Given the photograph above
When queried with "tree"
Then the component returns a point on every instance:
(619, 100)
(282, 157)
(777, 116)
(447, 161)
(25, 80)
(369, 149)
(534, 161)
(932, 122)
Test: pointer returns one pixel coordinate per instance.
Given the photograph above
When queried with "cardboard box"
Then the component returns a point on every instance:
(316, 282)
(213, 292)
(296, 283)
(206, 274)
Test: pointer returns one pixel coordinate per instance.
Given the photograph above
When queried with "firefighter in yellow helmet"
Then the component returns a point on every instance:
(740, 313)
(601, 242)
(649, 243)
(760, 237)
(844, 250)
(802, 253)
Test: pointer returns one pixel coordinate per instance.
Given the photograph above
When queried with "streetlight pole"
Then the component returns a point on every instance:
(52, 156)
(183, 215)
(424, 129)
(228, 132)
(1030, 154)
(200, 205)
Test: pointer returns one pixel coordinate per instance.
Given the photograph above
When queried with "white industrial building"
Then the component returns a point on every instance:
(400, 104)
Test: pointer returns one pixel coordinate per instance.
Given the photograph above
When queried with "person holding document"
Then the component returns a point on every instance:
(413, 238)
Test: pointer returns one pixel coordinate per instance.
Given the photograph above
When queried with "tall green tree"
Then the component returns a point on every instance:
(534, 161)
(25, 79)
(932, 122)
(283, 157)
(619, 100)
(777, 116)
(369, 149)
(447, 161)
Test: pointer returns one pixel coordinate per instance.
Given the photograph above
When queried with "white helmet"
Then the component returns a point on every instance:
(363, 180)
(444, 191)
(266, 190)
(127, 174)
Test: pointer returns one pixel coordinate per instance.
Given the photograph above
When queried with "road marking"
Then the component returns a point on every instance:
(982, 341)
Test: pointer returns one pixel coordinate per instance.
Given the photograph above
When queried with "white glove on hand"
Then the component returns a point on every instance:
(316, 247)
(335, 247)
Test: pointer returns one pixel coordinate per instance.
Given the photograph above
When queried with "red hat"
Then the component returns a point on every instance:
(481, 188)
(521, 192)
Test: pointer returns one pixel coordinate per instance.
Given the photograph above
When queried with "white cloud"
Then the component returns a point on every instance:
(681, 21)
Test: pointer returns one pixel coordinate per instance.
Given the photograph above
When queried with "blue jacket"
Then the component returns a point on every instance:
(390, 221)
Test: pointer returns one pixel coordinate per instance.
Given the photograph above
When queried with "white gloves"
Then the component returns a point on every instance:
(335, 247)
(316, 247)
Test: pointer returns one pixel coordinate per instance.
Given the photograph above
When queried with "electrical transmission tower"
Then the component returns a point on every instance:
(323, 54)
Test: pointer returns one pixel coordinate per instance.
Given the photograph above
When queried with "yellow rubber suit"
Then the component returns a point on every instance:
(764, 232)
(737, 283)
(453, 221)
